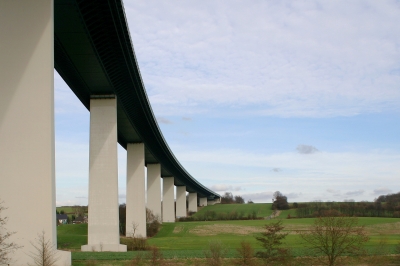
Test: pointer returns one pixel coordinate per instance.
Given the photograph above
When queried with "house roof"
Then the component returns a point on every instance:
(62, 216)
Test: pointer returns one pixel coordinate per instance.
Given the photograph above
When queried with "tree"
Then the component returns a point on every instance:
(227, 198)
(279, 202)
(6, 247)
(239, 200)
(79, 211)
(271, 241)
(334, 237)
(46, 252)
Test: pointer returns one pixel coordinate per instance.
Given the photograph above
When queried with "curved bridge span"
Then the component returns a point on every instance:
(95, 57)
(89, 44)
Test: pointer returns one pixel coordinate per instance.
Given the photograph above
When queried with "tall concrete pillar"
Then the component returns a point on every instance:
(135, 191)
(181, 201)
(168, 210)
(154, 189)
(27, 163)
(203, 202)
(103, 218)
(192, 202)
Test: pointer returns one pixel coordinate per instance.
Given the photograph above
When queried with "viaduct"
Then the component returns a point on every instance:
(88, 43)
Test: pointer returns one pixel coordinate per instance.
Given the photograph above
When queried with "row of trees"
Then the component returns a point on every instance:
(228, 198)
(359, 209)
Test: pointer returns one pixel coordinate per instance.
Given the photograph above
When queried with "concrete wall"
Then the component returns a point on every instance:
(135, 191)
(181, 201)
(168, 200)
(27, 163)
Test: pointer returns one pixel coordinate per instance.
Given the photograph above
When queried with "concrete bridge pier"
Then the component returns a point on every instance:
(27, 146)
(135, 191)
(103, 218)
(168, 200)
(192, 202)
(181, 201)
(203, 202)
(154, 189)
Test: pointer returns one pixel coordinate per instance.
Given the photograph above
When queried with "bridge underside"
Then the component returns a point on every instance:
(94, 55)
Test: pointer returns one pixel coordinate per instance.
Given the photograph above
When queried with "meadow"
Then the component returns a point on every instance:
(183, 240)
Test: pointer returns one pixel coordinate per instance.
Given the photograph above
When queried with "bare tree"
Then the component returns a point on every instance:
(46, 253)
(134, 228)
(6, 247)
(332, 237)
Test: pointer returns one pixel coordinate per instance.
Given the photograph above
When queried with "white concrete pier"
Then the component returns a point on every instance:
(154, 189)
(168, 200)
(192, 202)
(203, 202)
(181, 201)
(27, 162)
(103, 219)
(135, 191)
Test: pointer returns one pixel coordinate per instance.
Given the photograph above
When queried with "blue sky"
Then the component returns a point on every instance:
(258, 96)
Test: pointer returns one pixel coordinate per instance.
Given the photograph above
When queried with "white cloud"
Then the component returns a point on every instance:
(225, 188)
(307, 176)
(306, 149)
(269, 58)
(381, 191)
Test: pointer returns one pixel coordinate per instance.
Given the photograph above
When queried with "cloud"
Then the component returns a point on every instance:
(354, 193)
(163, 120)
(382, 191)
(333, 191)
(259, 196)
(187, 118)
(293, 195)
(306, 149)
(226, 188)
(276, 170)
(322, 62)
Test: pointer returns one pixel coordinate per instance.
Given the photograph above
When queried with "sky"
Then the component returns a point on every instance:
(258, 96)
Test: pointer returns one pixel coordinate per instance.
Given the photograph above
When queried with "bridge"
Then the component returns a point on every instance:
(88, 43)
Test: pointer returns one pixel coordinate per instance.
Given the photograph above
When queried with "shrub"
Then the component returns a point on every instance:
(137, 243)
(155, 256)
(153, 228)
(246, 254)
(215, 253)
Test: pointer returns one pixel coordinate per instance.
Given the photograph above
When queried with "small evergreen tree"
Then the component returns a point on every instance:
(271, 241)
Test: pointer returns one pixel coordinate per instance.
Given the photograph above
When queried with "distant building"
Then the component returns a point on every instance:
(62, 218)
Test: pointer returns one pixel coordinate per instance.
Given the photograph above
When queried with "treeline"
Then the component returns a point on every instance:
(228, 198)
(359, 209)
(220, 216)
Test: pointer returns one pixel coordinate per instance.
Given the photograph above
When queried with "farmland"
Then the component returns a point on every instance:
(182, 240)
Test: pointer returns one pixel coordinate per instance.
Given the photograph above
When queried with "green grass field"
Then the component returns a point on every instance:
(190, 239)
